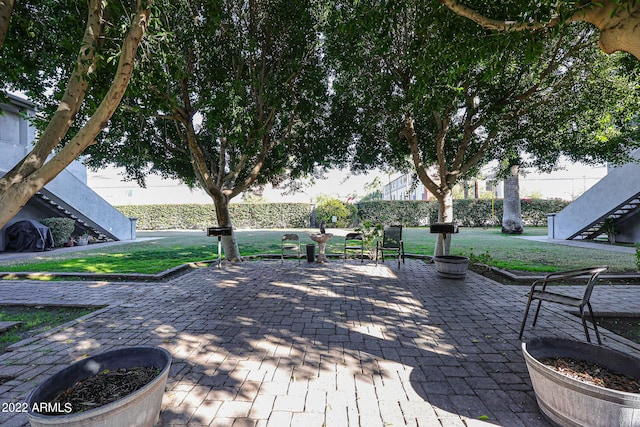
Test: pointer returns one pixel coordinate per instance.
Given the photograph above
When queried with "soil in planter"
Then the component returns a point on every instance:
(592, 373)
(103, 388)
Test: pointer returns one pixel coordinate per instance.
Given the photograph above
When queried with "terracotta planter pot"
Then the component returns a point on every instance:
(140, 408)
(568, 402)
(451, 266)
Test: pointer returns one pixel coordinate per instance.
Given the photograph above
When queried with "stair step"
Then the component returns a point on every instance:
(595, 230)
(79, 220)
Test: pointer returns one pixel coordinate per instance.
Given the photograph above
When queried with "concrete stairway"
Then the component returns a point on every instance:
(68, 194)
(613, 201)
(71, 197)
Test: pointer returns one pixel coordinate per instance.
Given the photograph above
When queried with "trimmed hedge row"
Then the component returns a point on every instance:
(406, 212)
(199, 217)
(483, 213)
(467, 212)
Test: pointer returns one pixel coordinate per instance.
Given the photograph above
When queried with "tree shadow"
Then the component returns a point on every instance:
(339, 344)
(382, 344)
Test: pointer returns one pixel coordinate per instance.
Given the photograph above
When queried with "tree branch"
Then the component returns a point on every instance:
(477, 157)
(496, 24)
(617, 21)
(412, 139)
(69, 106)
(16, 195)
(110, 102)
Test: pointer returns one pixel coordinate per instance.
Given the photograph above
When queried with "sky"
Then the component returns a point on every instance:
(108, 184)
(564, 184)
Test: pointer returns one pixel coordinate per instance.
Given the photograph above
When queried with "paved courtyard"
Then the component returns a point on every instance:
(335, 345)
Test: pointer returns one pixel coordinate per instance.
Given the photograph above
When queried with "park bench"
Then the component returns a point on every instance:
(587, 276)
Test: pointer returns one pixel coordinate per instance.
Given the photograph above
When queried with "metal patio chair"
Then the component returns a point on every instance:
(539, 292)
(354, 242)
(290, 242)
(391, 242)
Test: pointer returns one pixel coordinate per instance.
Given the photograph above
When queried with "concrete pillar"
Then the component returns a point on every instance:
(550, 225)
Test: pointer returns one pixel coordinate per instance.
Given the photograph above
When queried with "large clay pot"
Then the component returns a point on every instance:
(140, 408)
(451, 266)
(568, 402)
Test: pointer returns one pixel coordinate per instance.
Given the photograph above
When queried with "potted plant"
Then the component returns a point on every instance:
(49, 406)
(370, 234)
(567, 401)
(61, 229)
(82, 240)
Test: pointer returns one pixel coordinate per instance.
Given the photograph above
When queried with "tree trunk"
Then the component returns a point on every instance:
(511, 211)
(229, 243)
(466, 186)
(6, 8)
(445, 214)
(619, 26)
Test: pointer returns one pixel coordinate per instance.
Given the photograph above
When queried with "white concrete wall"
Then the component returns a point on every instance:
(16, 134)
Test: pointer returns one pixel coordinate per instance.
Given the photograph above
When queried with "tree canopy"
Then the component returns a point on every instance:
(230, 96)
(412, 81)
(234, 93)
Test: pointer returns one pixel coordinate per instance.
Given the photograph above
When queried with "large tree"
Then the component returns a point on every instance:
(231, 97)
(413, 80)
(618, 21)
(36, 59)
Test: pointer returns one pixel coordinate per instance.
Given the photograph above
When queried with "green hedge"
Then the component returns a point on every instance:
(534, 211)
(199, 217)
(477, 212)
(406, 212)
(467, 212)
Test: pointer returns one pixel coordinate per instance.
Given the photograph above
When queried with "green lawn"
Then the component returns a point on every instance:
(35, 320)
(173, 248)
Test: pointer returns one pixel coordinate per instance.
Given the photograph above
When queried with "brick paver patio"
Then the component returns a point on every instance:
(265, 344)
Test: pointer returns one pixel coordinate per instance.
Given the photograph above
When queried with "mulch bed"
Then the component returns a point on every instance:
(103, 388)
(592, 373)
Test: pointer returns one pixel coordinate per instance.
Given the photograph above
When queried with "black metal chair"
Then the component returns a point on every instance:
(391, 242)
(354, 242)
(539, 292)
(290, 242)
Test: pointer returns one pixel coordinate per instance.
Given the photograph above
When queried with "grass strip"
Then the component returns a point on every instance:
(35, 320)
(174, 248)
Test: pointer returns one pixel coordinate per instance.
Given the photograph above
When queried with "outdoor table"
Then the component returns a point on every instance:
(219, 232)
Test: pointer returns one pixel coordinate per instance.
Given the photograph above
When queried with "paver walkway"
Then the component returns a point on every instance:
(336, 345)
